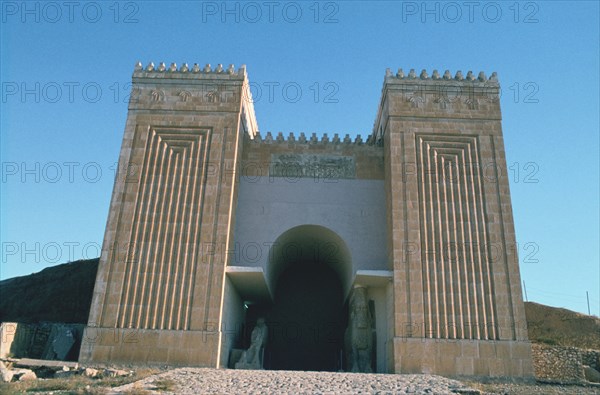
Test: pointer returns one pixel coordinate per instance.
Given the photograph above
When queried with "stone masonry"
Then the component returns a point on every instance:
(205, 211)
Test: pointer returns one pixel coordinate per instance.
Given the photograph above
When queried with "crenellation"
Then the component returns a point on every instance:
(172, 71)
(323, 139)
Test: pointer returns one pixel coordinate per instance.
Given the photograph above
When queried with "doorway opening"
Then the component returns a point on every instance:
(308, 320)
(309, 273)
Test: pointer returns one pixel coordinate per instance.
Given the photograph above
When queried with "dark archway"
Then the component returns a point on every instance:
(309, 273)
(308, 319)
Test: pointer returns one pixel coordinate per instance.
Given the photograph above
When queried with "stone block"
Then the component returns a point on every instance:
(515, 368)
(498, 367)
(178, 356)
(470, 348)
(464, 366)
(411, 364)
(521, 350)
(448, 348)
(504, 350)
(481, 367)
(24, 374)
(487, 349)
(591, 374)
(5, 374)
(170, 339)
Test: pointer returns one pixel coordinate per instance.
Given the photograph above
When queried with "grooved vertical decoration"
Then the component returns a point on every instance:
(164, 245)
(458, 287)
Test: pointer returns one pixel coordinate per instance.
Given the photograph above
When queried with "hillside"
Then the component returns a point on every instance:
(556, 326)
(61, 293)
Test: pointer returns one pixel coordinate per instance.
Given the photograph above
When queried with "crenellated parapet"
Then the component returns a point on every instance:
(313, 139)
(184, 88)
(193, 88)
(437, 95)
(447, 76)
(186, 72)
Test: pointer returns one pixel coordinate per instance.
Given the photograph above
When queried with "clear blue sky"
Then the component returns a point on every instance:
(65, 69)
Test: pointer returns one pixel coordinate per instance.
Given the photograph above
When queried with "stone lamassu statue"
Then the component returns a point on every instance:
(358, 338)
(252, 358)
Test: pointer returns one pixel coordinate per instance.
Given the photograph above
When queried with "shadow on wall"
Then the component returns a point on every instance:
(310, 243)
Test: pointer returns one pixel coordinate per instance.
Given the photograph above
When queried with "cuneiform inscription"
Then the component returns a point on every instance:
(294, 166)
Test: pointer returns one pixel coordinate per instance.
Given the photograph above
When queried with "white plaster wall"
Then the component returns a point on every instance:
(391, 324)
(269, 206)
(232, 320)
(378, 296)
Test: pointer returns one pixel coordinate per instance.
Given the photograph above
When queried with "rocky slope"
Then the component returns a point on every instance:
(61, 293)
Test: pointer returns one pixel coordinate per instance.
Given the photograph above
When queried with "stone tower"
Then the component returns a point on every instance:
(158, 289)
(213, 226)
(458, 308)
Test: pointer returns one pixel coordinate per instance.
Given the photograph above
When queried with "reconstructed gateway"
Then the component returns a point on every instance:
(212, 226)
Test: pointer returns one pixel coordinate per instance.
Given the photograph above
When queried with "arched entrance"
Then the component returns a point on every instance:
(309, 272)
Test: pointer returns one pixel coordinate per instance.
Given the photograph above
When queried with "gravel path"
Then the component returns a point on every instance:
(537, 389)
(196, 381)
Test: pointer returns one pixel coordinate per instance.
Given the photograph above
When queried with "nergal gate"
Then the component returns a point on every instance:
(213, 227)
